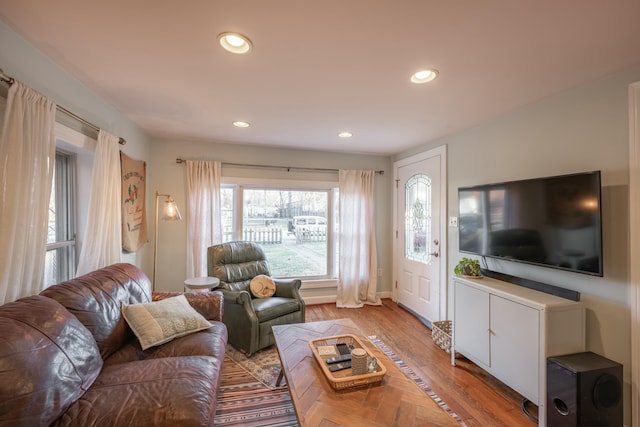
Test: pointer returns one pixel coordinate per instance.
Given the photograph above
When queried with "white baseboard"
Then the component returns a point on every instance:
(328, 299)
(325, 299)
(385, 294)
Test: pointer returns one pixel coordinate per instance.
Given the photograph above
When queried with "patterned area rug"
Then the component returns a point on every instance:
(264, 365)
(249, 396)
(245, 401)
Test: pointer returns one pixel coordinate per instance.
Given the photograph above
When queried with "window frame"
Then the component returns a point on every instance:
(331, 187)
(65, 221)
(82, 147)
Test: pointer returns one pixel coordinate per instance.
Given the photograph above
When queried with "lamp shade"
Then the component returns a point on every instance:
(170, 211)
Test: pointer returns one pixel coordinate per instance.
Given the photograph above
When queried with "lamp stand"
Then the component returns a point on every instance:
(169, 213)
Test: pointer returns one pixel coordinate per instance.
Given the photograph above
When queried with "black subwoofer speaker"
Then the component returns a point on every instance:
(584, 389)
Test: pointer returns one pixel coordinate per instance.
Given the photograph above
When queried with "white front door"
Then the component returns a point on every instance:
(420, 249)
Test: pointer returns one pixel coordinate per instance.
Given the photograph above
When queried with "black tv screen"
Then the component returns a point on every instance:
(553, 221)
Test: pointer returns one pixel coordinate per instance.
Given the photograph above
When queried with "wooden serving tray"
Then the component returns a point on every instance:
(344, 380)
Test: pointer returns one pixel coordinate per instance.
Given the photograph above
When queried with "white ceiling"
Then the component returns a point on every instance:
(321, 67)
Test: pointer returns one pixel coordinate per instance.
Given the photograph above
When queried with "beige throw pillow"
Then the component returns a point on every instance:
(161, 321)
(262, 286)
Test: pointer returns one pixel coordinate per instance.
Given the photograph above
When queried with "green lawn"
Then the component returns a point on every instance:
(290, 259)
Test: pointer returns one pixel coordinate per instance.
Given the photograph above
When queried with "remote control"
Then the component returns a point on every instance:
(343, 348)
(340, 366)
(340, 358)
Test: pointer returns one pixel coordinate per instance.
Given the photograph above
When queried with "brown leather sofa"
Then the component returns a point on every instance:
(68, 358)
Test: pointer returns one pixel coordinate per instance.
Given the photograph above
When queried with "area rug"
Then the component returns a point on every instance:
(264, 365)
(245, 401)
(248, 388)
(413, 376)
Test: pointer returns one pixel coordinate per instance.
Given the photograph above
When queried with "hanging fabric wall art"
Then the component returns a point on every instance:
(134, 218)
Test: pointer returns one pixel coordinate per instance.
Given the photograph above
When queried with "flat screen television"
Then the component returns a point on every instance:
(553, 221)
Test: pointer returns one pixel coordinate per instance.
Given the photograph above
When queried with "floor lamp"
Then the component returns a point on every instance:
(170, 212)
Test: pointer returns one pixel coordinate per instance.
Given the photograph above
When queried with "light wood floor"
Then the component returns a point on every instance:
(474, 395)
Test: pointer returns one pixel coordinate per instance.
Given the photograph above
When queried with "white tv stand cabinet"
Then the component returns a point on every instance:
(509, 331)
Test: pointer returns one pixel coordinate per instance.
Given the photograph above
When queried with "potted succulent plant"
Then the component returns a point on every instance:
(468, 267)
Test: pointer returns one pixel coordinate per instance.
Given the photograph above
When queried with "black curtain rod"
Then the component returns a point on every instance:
(287, 168)
(10, 80)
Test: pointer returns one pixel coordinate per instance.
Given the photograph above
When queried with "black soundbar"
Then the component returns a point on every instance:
(532, 284)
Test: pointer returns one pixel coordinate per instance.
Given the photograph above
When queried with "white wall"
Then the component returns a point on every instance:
(579, 130)
(168, 177)
(21, 61)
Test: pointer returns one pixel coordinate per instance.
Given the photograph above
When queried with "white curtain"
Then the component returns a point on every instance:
(102, 244)
(204, 224)
(27, 158)
(358, 256)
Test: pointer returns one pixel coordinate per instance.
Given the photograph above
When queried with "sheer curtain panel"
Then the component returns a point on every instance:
(358, 256)
(27, 158)
(103, 233)
(204, 223)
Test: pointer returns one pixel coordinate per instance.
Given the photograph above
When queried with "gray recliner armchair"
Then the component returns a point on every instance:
(248, 319)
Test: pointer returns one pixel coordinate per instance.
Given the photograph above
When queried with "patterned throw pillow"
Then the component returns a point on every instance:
(262, 286)
(158, 322)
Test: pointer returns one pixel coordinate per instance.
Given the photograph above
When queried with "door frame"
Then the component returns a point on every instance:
(444, 252)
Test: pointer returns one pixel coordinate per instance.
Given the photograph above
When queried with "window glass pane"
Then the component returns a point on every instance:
(336, 227)
(57, 266)
(418, 218)
(51, 229)
(51, 268)
(227, 203)
(60, 260)
(291, 226)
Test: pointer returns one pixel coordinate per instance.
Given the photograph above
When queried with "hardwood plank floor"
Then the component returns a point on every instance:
(478, 398)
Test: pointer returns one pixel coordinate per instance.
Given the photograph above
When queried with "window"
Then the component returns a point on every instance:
(60, 261)
(295, 226)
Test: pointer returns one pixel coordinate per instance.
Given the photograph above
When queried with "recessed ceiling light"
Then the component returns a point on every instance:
(345, 134)
(424, 76)
(241, 124)
(235, 42)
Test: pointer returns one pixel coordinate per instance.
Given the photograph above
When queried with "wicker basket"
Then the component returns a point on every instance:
(344, 380)
(441, 333)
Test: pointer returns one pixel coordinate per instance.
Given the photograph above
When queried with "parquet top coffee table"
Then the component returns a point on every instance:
(398, 401)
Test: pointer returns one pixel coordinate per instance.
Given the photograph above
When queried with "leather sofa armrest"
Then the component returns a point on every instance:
(210, 304)
(288, 288)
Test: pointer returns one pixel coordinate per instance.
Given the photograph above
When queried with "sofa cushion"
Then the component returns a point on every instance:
(48, 359)
(95, 300)
(158, 322)
(209, 342)
(176, 391)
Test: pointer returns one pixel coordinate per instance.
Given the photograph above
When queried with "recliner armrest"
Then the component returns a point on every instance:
(288, 288)
(210, 304)
(237, 297)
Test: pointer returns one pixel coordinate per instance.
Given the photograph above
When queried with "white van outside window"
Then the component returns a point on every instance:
(309, 227)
